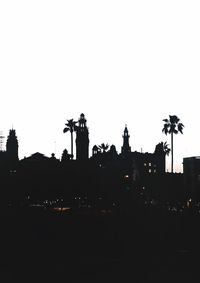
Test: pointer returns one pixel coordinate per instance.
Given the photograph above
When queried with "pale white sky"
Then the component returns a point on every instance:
(118, 62)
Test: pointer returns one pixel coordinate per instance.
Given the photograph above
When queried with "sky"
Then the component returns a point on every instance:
(118, 62)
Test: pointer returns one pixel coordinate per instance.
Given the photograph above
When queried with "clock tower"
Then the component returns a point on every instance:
(82, 139)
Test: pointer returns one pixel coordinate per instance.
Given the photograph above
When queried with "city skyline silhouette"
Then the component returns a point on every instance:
(72, 126)
(108, 208)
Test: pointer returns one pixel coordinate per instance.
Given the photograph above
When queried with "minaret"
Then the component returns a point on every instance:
(82, 139)
(126, 148)
(12, 146)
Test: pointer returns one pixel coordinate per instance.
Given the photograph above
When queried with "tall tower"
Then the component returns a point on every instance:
(82, 139)
(126, 147)
(159, 155)
(12, 146)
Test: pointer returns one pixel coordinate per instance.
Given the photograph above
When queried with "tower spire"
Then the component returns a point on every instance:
(126, 147)
(82, 139)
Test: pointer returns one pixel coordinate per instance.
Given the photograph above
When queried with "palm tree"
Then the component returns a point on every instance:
(166, 148)
(70, 126)
(172, 126)
(104, 147)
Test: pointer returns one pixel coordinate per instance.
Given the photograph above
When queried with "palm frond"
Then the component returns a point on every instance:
(65, 130)
(172, 129)
(180, 128)
(174, 119)
(175, 132)
(103, 147)
(165, 129)
(166, 148)
(71, 124)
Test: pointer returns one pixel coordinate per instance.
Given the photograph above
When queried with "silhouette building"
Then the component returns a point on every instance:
(82, 139)
(191, 171)
(9, 157)
(142, 164)
(139, 165)
(126, 147)
(12, 146)
(95, 150)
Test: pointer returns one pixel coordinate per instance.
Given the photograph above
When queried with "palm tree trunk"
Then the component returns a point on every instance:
(72, 144)
(172, 153)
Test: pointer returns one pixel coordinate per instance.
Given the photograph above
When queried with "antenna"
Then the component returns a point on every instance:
(55, 147)
(1, 140)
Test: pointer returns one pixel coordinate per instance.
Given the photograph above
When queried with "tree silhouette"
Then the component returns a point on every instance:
(103, 147)
(172, 126)
(70, 126)
(166, 148)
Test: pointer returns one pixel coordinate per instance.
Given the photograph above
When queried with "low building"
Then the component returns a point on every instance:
(191, 171)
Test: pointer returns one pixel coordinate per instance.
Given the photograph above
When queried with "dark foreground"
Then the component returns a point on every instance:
(56, 247)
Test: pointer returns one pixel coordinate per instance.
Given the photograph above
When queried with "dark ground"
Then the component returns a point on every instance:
(51, 247)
